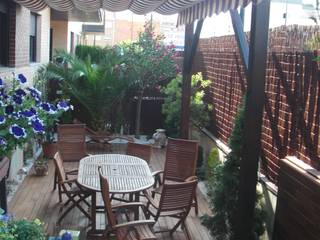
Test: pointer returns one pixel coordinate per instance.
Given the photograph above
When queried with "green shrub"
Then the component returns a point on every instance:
(200, 171)
(199, 110)
(95, 53)
(11, 229)
(27, 230)
(212, 163)
(223, 190)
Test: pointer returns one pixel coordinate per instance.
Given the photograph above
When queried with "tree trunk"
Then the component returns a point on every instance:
(138, 113)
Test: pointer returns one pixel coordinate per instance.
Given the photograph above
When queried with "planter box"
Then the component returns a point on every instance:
(49, 149)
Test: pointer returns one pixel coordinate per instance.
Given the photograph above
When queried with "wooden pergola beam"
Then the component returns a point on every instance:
(243, 45)
(253, 117)
(191, 41)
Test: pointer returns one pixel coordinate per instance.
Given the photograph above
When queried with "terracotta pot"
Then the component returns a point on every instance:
(49, 149)
(41, 169)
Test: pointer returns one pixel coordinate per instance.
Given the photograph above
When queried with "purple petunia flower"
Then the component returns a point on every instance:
(1, 83)
(17, 131)
(9, 109)
(3, 94)
(45, 107)
(37, 126)
(5, 217)
(15, 116)
(2, 119)
(28, 114)
(3, 142)
(63, 105)
(21, 78)
(34, 92)
(17, 99)
(33, 110)
(20, 92)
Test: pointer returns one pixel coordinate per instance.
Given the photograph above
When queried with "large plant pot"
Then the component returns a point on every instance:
(49, 149)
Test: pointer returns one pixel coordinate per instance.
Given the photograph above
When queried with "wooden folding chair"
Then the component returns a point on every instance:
(181, 162)
(71, 146)
(71, 189)
(142, 151)
(175, 201)
(132, 230)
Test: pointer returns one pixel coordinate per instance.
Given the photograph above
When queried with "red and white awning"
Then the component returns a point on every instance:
(189, 10)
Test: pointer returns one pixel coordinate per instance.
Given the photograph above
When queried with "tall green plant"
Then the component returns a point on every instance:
(199, 110)
(223, 190)
(149, 62)
(96, 87)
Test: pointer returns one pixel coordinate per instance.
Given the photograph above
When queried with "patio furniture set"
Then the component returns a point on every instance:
(123, 180)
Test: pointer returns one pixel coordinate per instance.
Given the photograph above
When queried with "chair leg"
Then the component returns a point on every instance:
(196, 208)
(184, 227)
(55, 180)
(75, 203)
(60, 193)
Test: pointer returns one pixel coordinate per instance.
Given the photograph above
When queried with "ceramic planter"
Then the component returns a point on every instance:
(41, 169)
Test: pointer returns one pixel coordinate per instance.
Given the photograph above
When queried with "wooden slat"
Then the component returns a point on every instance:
(298, 205)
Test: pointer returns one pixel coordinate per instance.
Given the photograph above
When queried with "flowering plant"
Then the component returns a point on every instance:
(150, 62)
(23, 115)
(11, 229)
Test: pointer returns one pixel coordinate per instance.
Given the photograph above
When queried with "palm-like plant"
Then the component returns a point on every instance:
(97, 88)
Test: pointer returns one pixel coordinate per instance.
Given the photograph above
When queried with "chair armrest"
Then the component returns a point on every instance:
(69, 181)
(72, 172)
(157, 178)
(128, 205)
(192, 178)
(133, 224)
(156, 173)
(150, 199)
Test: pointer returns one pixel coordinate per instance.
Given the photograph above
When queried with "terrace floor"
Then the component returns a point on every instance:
(35, 199)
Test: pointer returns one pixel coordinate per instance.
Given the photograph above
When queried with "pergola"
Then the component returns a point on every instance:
(253, 54)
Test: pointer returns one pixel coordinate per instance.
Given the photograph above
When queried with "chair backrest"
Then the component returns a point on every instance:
(72, 141)
(106, 199)
(139, 150)
(59, 167)
(177, 196)
(181, 159)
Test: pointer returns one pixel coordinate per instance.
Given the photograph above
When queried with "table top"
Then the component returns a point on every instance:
(125, 174)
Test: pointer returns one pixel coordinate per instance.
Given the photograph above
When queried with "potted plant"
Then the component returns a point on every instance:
(51, 115)
(12, 229)
(23, 115)
(41, 166)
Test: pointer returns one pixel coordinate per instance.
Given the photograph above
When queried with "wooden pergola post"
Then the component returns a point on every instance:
(253, 117)
(190, 47)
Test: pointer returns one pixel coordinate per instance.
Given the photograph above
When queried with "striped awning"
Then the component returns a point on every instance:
(189, 10)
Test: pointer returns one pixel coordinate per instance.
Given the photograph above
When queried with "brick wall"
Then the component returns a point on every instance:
(19, 31)
(292, 107)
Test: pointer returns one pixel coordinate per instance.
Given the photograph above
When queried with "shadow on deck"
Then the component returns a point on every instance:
(36, 199)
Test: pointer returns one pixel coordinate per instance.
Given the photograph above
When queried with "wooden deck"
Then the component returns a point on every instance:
(35, 199)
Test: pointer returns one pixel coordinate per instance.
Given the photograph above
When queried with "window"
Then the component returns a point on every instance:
(33, 38)
(4, 33)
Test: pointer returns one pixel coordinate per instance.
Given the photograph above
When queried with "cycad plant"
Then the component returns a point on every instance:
(95, 87)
